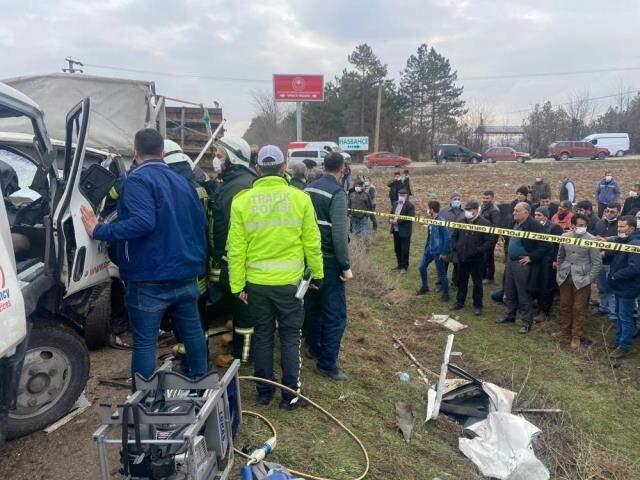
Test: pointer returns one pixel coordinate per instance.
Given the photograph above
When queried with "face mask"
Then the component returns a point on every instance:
(538, 179)
(402, 198)
(622, 235)
(358, 189)
(456, 203)
(611, 217)
(581, 230)
(468, 214)
(608, 178)
(397, 178)
(217, 165)
(633, 193)
(543, 222)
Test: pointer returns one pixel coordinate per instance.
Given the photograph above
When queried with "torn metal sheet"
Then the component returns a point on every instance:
(405, 420)
(447, 322)
(501, 447)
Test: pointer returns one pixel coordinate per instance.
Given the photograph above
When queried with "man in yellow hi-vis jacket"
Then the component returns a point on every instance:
(272, 238)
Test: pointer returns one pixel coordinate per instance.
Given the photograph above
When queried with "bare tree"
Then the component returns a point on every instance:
(271, 124)
(581, 109)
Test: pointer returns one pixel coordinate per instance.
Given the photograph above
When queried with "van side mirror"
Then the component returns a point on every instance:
(95, 183)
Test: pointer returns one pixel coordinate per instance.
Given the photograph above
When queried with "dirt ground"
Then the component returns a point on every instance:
(70, 453)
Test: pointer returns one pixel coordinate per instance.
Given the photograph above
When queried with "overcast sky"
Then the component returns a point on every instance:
(251, 40)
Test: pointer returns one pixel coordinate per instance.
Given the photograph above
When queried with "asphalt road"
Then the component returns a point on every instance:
(540, 160)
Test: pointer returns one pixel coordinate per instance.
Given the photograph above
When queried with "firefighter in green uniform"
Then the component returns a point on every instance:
(272, 238)
(233, 154)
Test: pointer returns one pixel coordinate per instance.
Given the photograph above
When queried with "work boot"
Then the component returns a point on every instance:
(506, 319)
(560, 334)
(264, 398)
(335, 374)
(575, 342)
(422, 290)
(289, 406)
(525, 329)
(541, 317)
(618, 353)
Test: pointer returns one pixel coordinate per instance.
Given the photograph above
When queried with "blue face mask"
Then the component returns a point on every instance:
(456, 203)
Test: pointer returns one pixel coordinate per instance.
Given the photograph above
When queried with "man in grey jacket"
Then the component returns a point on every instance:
(578, 268)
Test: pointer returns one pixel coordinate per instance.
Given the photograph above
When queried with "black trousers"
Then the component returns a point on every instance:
(490, 264)
(549, 290)
(475, 270)
(268, 304)
(402, 246)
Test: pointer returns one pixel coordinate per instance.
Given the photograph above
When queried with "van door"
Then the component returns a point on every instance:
(13, 319)
(81, 261)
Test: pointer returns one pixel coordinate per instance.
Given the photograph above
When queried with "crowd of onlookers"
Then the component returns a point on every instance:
(535, 272)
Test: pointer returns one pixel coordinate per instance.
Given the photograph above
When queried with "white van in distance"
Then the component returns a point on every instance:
(316, 151)
(616, 143)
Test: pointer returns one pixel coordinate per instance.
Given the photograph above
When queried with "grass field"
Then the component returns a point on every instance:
(597, 436)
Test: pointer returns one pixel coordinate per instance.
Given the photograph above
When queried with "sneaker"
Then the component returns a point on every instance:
(486, 281)
(618, 353)
(525, 329)
(264, 398)
(575, 342)
(506, 319)
(422, 290)
(403, 271)
(477, 311)
(290, 405)
(335, 374)
(456, 306)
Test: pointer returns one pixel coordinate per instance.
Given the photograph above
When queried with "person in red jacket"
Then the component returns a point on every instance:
(564, 216)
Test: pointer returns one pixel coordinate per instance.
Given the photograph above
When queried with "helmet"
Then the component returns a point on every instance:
(237, 149)
(173, 154)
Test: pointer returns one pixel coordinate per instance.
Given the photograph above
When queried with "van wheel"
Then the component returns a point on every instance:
(564, 156)
(602, 156)
(54, 374)
(98, 317)
(620, 153)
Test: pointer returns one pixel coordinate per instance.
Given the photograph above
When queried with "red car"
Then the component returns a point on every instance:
(564, 150)
(386, 159)
(505, 153)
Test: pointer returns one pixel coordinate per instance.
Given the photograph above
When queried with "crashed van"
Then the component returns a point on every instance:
(53, 276)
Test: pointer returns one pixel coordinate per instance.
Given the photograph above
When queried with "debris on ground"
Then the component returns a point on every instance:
(405, 420)
(403, 376)
(78, 408)
(447, 322)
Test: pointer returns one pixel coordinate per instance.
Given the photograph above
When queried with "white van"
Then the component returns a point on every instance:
(316, 151)
(616, 143)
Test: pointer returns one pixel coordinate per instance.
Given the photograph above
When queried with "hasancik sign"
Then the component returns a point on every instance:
(298, 88)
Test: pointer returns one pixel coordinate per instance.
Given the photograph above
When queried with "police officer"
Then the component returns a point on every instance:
(273, 234)
(236, 175)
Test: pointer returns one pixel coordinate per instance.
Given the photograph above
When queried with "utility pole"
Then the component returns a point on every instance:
(298, 121)
(71, 68)
(376, 143)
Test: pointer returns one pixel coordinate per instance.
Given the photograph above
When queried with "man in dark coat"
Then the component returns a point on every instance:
(402, 229)
(585, 207)
(471, 249)
(546, 286)
(394, 187)
(522, 256)
(491, 213)
(632, 202)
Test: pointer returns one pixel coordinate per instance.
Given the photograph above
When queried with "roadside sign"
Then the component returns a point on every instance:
(354, 144)
(298, 88)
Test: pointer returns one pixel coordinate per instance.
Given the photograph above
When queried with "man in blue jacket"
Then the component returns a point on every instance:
(437, 249)
(624, 282)
(607, 191)
(161, 244)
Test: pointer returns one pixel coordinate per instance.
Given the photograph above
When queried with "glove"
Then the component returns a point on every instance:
(317, 282)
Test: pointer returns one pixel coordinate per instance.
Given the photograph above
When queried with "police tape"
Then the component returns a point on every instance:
(508, 232)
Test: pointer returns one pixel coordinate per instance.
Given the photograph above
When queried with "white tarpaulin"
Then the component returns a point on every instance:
(502, 448)
(119, 107)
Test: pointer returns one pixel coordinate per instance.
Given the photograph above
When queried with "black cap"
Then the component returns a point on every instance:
(473, 205)
(523, 190)
(403, 191)
(544, 211)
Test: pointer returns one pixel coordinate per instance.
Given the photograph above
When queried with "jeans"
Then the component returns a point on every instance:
(326, 316)
(607, 299)
(360, 229)
(441, 269)
(269, 304)
(147, 303)
(624, 311)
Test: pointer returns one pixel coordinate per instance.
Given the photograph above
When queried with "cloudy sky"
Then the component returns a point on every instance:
(197, 41)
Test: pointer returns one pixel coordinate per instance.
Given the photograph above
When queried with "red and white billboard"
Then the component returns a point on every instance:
(298, 88)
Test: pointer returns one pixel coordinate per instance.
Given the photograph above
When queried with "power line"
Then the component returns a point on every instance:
(548, 74)
(630, 92)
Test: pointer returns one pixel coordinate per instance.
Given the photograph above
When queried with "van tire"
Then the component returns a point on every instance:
(98, 318)
(76, 364)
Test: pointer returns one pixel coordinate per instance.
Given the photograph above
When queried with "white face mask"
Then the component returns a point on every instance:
(543, 222)
(633, 193)
(217, 165)
(622, 235)
(402, 198)
(608, 178)
(538, 179)
(358, 189)
(581, 230)
(468, 214)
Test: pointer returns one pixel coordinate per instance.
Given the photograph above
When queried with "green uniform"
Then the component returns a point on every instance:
(273, 233)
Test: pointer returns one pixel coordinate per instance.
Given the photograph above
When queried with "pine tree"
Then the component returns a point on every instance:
(371, 72)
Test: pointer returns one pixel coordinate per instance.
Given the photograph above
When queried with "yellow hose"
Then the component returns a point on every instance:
(316, 406)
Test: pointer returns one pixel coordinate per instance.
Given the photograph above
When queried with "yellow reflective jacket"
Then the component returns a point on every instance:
(272, 236)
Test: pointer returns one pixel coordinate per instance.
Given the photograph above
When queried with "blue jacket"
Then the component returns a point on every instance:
(607, 192)
(161, 229)
(439, 241)
(624, 271)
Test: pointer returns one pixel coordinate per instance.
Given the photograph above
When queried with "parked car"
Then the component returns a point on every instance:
(616, 143)
(451, 152)
(494, 154)
(386, 159)
(564, 150)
